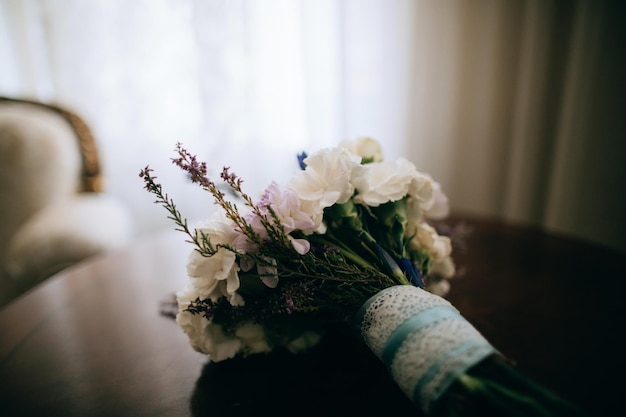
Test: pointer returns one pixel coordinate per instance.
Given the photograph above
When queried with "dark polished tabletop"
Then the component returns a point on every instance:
(91, 340)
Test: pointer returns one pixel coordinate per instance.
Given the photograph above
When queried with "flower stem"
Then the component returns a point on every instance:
(493, 387)
(331, 240)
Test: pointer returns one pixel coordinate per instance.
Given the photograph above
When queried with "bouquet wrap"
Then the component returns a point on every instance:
(424, 341)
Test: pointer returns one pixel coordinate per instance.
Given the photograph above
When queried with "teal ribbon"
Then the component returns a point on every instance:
(474, 350)
(414, 324)
(471, 350)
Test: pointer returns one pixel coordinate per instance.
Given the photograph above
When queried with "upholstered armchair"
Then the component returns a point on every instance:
(53, 209)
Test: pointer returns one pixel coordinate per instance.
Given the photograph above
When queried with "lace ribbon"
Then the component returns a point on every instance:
(423, 340)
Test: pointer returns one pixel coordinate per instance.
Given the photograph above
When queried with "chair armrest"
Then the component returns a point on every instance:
(65, 233)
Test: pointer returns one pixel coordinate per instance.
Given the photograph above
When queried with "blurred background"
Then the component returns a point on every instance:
(516, 107)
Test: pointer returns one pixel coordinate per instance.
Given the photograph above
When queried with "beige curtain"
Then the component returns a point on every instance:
(525, 101)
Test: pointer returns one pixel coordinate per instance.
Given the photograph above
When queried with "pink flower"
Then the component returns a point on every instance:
(288, 207)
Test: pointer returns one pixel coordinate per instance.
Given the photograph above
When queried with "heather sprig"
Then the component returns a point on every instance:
(199, 239)
(198, 174)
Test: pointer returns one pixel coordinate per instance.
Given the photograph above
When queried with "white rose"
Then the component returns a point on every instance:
(381, 182)
(366, 148)
(216, 276)
(325, 181)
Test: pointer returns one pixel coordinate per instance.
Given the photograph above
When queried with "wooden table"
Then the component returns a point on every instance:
(91, 341)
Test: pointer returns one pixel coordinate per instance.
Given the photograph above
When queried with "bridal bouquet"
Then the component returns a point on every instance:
(345, 241)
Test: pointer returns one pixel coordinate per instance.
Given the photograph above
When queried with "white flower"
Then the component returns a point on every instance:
(440, 287)
(366, 148)
(381, 182)
(216, 276)
(439, 249)
(252, 338)
(438, 275)
(219, 345)
(325, 181)
(427, 239)
(192, 324)
(422, 192)
(420, 201)
(209, 338)
(440, 208)
(204, 336)
(304, 342)
(444, 268)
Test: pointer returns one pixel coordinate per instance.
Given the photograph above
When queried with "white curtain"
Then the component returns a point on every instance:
(512, 105)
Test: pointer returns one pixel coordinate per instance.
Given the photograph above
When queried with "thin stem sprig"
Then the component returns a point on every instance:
(198, 238)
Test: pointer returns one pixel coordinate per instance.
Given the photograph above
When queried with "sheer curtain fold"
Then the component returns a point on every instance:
(521, 99)
(25, 64)
(544, 54)
(511, 105)
(587, 194)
